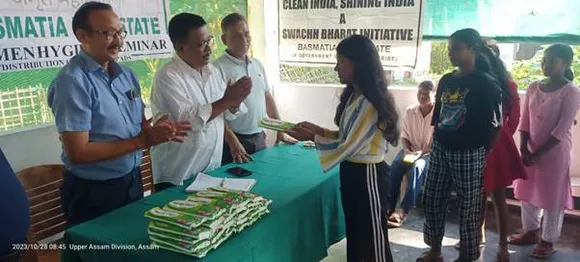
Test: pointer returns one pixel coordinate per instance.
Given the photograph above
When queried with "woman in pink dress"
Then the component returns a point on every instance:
(548, 113)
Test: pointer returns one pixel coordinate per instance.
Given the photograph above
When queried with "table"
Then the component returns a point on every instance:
(305, 217)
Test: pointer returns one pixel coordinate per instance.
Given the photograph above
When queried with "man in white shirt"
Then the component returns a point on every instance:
(417, 136)
(189, 88)
(243, 136)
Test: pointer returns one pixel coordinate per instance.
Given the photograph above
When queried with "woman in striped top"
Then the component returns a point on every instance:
(367, 121)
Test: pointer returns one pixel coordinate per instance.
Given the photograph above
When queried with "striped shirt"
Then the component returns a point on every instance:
(358, 139)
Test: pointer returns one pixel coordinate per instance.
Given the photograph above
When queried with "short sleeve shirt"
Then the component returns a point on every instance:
(85, 98)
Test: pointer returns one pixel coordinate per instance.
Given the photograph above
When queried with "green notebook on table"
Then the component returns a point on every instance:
(275, 124)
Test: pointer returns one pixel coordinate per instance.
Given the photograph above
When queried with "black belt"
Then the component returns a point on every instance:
(249, 136)
(112, 181)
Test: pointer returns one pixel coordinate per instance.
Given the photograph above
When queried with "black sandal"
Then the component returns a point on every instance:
(428, 257)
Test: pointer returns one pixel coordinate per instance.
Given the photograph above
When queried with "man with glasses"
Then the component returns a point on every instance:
(188, 88)
(99, 114)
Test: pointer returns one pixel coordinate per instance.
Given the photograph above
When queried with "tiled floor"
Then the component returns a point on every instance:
(407, 242)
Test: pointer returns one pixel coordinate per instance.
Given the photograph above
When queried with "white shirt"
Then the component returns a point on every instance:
(232, 68)
(186, 95)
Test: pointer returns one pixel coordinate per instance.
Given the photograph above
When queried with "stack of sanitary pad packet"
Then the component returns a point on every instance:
(204, 220)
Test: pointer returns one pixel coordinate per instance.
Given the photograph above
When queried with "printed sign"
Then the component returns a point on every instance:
(36, 34)
(309, 30)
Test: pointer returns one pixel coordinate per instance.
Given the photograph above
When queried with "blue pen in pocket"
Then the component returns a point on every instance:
(133, 94)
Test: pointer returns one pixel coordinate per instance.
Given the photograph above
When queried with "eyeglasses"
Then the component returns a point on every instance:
(110, 34)
(208, 42)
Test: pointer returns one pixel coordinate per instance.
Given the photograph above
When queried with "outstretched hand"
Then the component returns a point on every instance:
(301, 134)
(311, 127)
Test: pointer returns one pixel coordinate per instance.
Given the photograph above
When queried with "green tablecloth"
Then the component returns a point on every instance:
(305, 217)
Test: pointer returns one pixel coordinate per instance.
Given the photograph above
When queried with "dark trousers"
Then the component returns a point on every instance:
(252, 144)
(364, 190)
(83, 199)
(461, 170)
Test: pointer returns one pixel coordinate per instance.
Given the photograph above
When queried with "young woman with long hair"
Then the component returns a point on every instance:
(548, 113)
(467, 120)
(504, 164)
(367, 121)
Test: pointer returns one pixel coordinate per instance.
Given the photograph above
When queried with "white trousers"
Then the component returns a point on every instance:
(551, 225)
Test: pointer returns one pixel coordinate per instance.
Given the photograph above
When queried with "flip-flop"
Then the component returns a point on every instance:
(427, 258)
(543, 252)
(525, 239)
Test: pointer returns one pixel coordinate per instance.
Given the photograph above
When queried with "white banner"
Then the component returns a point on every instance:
(309, 30)
(37, 34)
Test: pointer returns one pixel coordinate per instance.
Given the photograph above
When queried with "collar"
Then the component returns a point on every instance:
(90, 63)
(418, 110)
(204, 70)
(236, 60)
(93, 66)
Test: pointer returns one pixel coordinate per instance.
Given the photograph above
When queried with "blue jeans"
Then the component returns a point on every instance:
(416, 178)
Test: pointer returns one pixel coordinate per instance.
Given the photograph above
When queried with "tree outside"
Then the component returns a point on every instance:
(527, 71)
(524, 72)
(440, 63)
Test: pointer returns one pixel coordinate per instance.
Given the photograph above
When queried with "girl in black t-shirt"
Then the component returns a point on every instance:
(467, 118)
